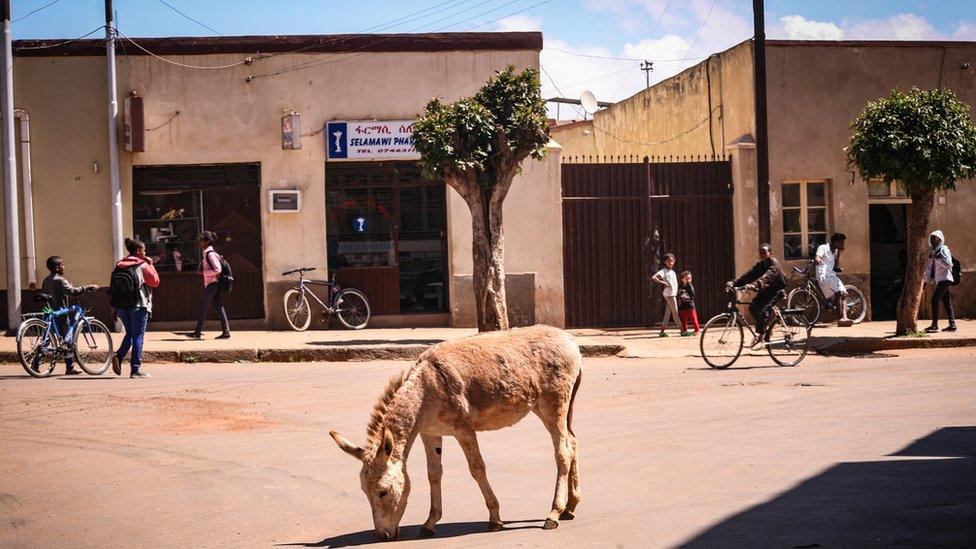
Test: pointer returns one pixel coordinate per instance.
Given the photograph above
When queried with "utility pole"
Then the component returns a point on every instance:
(762, 136)
(647, 67)
(113, 133)
(10, 200)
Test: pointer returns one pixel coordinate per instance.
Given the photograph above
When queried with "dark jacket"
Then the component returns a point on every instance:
(765, 274)
(59, 288)
(686, 297)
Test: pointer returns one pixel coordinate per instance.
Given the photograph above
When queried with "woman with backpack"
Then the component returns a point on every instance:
(211, 264)
(130, 292)
(938, 271)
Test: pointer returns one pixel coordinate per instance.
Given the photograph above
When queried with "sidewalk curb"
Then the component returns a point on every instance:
(859, 345)
(328, 354)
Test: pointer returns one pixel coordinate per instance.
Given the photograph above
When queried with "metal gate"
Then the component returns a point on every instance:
(618, 222)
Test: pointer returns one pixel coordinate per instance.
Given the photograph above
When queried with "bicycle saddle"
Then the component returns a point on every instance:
(44, 298)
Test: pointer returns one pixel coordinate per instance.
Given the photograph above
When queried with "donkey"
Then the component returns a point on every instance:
(456, 388)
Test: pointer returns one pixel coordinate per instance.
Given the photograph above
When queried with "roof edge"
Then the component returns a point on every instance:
(315, 43)
(873, 43)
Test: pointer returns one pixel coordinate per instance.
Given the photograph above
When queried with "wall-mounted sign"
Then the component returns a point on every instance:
(134, 124)
(291, 131)
(370, 140)
(360, 224)
(365, 247)
(284, 201)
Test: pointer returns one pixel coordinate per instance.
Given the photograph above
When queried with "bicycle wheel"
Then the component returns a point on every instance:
(789, 339)
(297, 310)
(93, 346)
(352, 309)
(721, 341)
(31, 340)
(802, 298)
(856, 304)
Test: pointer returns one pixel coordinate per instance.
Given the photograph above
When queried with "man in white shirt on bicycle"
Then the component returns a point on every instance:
(827, 267)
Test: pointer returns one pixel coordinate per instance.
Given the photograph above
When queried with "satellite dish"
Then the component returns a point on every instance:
(589, 103)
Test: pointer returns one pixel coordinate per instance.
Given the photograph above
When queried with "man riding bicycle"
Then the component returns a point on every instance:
(767, 280)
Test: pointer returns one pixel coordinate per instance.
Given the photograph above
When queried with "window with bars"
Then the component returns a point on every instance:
(805, 212)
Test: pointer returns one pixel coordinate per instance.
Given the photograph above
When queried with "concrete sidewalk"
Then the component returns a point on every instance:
(408, 343)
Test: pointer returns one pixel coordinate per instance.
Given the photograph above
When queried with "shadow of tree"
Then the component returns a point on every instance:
(928, 498)
(446, 530)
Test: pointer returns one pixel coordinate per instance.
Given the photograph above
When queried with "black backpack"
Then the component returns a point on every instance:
(124, 287)
(226, 278)
(956, 271)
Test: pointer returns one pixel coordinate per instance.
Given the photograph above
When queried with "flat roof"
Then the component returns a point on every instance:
(314, 43)
(873, 43)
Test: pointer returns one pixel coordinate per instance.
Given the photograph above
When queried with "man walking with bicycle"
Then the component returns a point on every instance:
(58, 287)
(767, 280)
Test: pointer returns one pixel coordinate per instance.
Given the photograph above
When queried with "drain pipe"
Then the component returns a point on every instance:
(25, 174)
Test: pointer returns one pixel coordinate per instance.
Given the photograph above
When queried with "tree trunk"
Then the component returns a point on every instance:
(917, 249)
(488, 252)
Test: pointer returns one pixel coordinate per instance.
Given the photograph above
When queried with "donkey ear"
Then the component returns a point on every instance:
(387, 443)
(346, 446)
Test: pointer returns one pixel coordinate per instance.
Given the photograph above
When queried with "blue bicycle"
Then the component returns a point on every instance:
(40, 343)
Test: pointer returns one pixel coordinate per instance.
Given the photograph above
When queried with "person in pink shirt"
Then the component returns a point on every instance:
(136, 318)
(210, 267)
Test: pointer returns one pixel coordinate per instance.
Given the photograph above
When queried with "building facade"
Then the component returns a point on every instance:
(296, 151)
(814, 90)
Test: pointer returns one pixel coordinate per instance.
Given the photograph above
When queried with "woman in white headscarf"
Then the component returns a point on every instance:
(938, 271)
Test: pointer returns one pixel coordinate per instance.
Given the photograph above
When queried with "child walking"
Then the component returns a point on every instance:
(686, 304)
(666, 277)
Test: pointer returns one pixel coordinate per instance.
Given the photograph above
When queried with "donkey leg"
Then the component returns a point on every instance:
(554, 418)
(469, 444)
(575, 494)
(433, 446)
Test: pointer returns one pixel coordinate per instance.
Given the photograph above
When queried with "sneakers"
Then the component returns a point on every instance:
(72, 372)
(685, 334)
(932, 329)
(845, 323)
(225, 335)
(949, 328)
(195, 335)
(139, 374)
(116, 365)
(662, 334)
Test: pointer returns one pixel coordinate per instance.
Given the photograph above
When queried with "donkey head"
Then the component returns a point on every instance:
(384, 480)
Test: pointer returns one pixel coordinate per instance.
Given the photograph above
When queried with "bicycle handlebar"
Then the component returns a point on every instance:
(301, 270)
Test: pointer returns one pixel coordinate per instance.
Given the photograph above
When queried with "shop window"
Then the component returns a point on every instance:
(805, 215)
(169, 223)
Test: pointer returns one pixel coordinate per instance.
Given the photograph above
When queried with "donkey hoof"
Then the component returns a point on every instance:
(567, 515)
(495, 526)
(425, 532)
(550, 524)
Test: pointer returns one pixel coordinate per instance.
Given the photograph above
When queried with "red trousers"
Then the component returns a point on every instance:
(686, 316)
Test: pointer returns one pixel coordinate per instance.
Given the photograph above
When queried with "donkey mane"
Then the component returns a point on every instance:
(374, 431)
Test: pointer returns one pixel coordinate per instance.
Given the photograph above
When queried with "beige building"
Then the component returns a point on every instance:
(814, 90)
(228, 121)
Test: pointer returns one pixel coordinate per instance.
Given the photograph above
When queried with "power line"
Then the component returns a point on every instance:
(575, 107)
(506, 16)
(178, 64)
(42, 8)
(49, 46)
(202, 24)
(619, 58)
(644, 48)
(701, 28)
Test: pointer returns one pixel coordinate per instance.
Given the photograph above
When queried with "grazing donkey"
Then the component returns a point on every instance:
(456, 388)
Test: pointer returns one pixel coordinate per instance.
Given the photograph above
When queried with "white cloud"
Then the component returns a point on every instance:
(965, 30)
(797, 27)
(903, 26)
(520, 22)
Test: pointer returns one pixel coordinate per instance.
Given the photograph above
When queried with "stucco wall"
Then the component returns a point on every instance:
(224, 119)
(533, 242)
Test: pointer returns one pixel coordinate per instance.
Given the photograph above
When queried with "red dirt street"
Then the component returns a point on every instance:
(872, 450)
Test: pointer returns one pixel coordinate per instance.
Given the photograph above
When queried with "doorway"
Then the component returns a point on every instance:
(888, 224)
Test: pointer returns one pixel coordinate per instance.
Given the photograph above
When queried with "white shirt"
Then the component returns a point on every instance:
(827, 261)
(671, 290)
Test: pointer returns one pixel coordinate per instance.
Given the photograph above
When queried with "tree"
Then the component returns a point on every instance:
(926, 141)
(477, 145)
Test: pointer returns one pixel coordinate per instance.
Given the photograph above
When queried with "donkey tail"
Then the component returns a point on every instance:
(572, 401)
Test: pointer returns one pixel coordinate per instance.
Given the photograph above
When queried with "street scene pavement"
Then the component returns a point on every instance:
(878, 449)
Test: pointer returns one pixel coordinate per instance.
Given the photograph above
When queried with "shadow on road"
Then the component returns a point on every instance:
(407, 533)
(926, 498)
(354, 342)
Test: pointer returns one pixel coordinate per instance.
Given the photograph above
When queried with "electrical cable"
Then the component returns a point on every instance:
(506, 16)
(553, 81)
(178, 64)
(574, 84)
(168, 120)
(661, 142)
(202, 24)
(49, 46)
(619, 58)
(42, 8)
(701, 28)
(644, 48)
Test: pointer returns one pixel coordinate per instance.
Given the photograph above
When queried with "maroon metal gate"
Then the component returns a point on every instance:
(618, 222)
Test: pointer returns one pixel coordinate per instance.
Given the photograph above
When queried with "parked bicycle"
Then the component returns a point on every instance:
(809, 297)
(348, 305)
(787, 335)
(40, 343)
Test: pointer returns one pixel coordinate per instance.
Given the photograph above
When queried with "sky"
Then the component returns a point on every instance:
(594, 45)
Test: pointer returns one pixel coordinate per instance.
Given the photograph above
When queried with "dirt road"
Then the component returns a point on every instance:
(840, 451)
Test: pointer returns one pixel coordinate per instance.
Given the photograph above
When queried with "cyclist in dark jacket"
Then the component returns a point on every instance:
(766, 279)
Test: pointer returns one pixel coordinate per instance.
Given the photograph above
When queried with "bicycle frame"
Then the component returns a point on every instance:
(334, 289)
(776, 314)
(75, 314)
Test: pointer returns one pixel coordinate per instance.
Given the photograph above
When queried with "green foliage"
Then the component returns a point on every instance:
(505, 122)
(924, 139)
